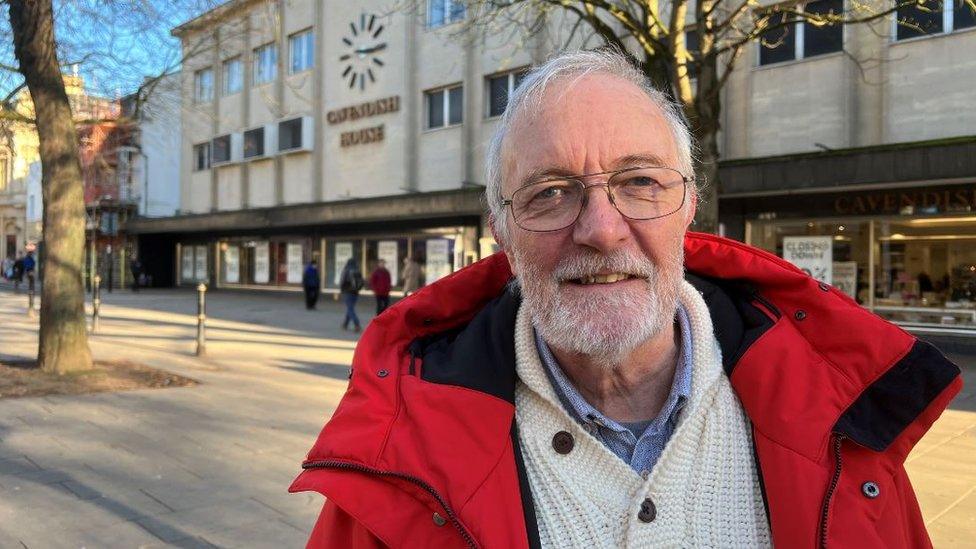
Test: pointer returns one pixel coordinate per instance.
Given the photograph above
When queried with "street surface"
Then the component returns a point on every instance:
(209, 465)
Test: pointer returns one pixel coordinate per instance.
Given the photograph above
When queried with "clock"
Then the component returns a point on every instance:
(363, 46)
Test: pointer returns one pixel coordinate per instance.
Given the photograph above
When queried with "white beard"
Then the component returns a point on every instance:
(609, 328)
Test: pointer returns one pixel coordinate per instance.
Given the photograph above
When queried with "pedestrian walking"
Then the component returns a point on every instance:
(312, 283)
(18, 272)
(350, 282)
(7, 269)
(135, 266)
(411, 276)
(380, 283)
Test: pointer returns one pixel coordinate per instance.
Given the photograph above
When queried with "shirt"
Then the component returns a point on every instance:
(639, 444)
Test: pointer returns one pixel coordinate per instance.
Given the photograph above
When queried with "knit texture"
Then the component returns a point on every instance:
(704, 487)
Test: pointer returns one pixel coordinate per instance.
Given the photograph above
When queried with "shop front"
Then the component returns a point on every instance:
(907, 253)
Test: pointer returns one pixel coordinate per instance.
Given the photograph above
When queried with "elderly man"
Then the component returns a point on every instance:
(614, 381)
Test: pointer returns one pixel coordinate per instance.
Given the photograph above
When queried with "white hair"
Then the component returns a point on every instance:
(578, 64)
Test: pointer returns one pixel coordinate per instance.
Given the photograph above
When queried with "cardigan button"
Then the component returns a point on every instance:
(439, 520)
(648, 512)
(563, 442)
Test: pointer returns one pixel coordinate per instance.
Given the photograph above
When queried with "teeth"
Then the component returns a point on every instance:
(604, 279)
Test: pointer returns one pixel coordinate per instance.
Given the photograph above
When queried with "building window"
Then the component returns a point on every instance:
(265, 63)
(302, 48)
(290, 134)
(800, 39)
(694, 53)
(203, 85)
(500, 87)
(930, 17)
(201, 157)
(221, 149)
(233, 76)
(444, 12)
(444, 107)
(254, 143)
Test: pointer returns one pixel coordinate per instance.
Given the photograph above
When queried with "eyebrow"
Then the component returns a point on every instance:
(630, 160)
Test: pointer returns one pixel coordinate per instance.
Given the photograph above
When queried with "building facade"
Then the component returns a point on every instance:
(315, 130)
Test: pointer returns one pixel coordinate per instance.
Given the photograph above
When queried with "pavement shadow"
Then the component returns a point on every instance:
(334, 371)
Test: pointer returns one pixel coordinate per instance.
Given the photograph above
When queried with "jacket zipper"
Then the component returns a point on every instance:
(329, 464)
(838, 439)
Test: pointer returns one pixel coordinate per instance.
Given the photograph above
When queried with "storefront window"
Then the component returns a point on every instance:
(260, 262)
(193, 263)
(923, 269)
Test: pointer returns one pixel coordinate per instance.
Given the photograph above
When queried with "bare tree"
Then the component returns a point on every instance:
(655, 33)
(113, 40)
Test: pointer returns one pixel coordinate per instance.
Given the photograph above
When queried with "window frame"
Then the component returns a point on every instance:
(445, 106)
(258, 57)
(303, 145)
(225, 75)
(198, 87)
(799, 44)
(449, 11)
(306, 38)
(206, 146)
(230, 151)
(511, 85)
(260, 151)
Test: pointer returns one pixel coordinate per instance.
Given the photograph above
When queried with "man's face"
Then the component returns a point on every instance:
(595, 124)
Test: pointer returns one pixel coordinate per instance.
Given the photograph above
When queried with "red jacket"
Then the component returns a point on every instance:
(379, 282)
(422, 450)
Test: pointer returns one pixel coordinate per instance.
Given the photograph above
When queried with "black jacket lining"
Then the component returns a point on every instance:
(893, 402)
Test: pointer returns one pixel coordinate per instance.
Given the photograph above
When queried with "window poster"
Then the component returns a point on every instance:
(438, 259)
(186, 272)
(232, 262)
(813, 254)
(845, 277)
(262, 267)
(387, 251)
(200, 265)
(294, 254)
(343, 251)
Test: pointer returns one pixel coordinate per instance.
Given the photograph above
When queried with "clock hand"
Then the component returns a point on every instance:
(364, 50)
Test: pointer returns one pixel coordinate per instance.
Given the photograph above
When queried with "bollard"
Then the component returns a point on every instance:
(96, 301)
(30, 302)
(201, 319)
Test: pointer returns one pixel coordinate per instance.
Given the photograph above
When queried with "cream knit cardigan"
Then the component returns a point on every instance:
(704, 487)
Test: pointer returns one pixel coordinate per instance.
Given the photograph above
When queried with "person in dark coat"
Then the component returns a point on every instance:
(135, 267)
(350, 282)
(18, 272)
(312, 283)
(380, 283)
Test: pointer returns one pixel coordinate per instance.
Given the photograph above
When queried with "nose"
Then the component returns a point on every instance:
(600, 226)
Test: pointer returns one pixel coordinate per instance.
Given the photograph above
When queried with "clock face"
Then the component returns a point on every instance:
(363, 46)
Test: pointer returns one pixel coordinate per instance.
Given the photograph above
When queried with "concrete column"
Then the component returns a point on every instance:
(410, 98)
(279, 90)
(246, 108)
(215, 122)
(318, 105)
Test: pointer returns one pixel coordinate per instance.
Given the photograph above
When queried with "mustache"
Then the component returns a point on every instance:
(591, 264)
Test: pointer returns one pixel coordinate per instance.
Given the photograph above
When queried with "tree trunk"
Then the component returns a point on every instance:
(62, 341)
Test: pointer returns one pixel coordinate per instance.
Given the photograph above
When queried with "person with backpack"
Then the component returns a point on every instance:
(350, 283)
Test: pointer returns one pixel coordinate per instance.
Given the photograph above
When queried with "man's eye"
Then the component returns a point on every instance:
(640, 181)
(549, 193)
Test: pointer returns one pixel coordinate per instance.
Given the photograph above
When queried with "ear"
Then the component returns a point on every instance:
(493, 225)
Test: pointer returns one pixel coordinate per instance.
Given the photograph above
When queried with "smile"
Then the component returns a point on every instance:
(601, 279)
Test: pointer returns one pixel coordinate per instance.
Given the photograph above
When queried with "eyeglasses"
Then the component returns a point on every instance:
(641, 193)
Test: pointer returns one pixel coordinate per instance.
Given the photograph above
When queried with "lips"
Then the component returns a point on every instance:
(609, 278)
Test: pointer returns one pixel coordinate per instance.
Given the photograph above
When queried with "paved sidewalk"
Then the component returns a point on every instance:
(188, 467)
(209, 465)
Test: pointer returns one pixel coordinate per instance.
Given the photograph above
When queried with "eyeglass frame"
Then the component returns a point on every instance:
(685, 180)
